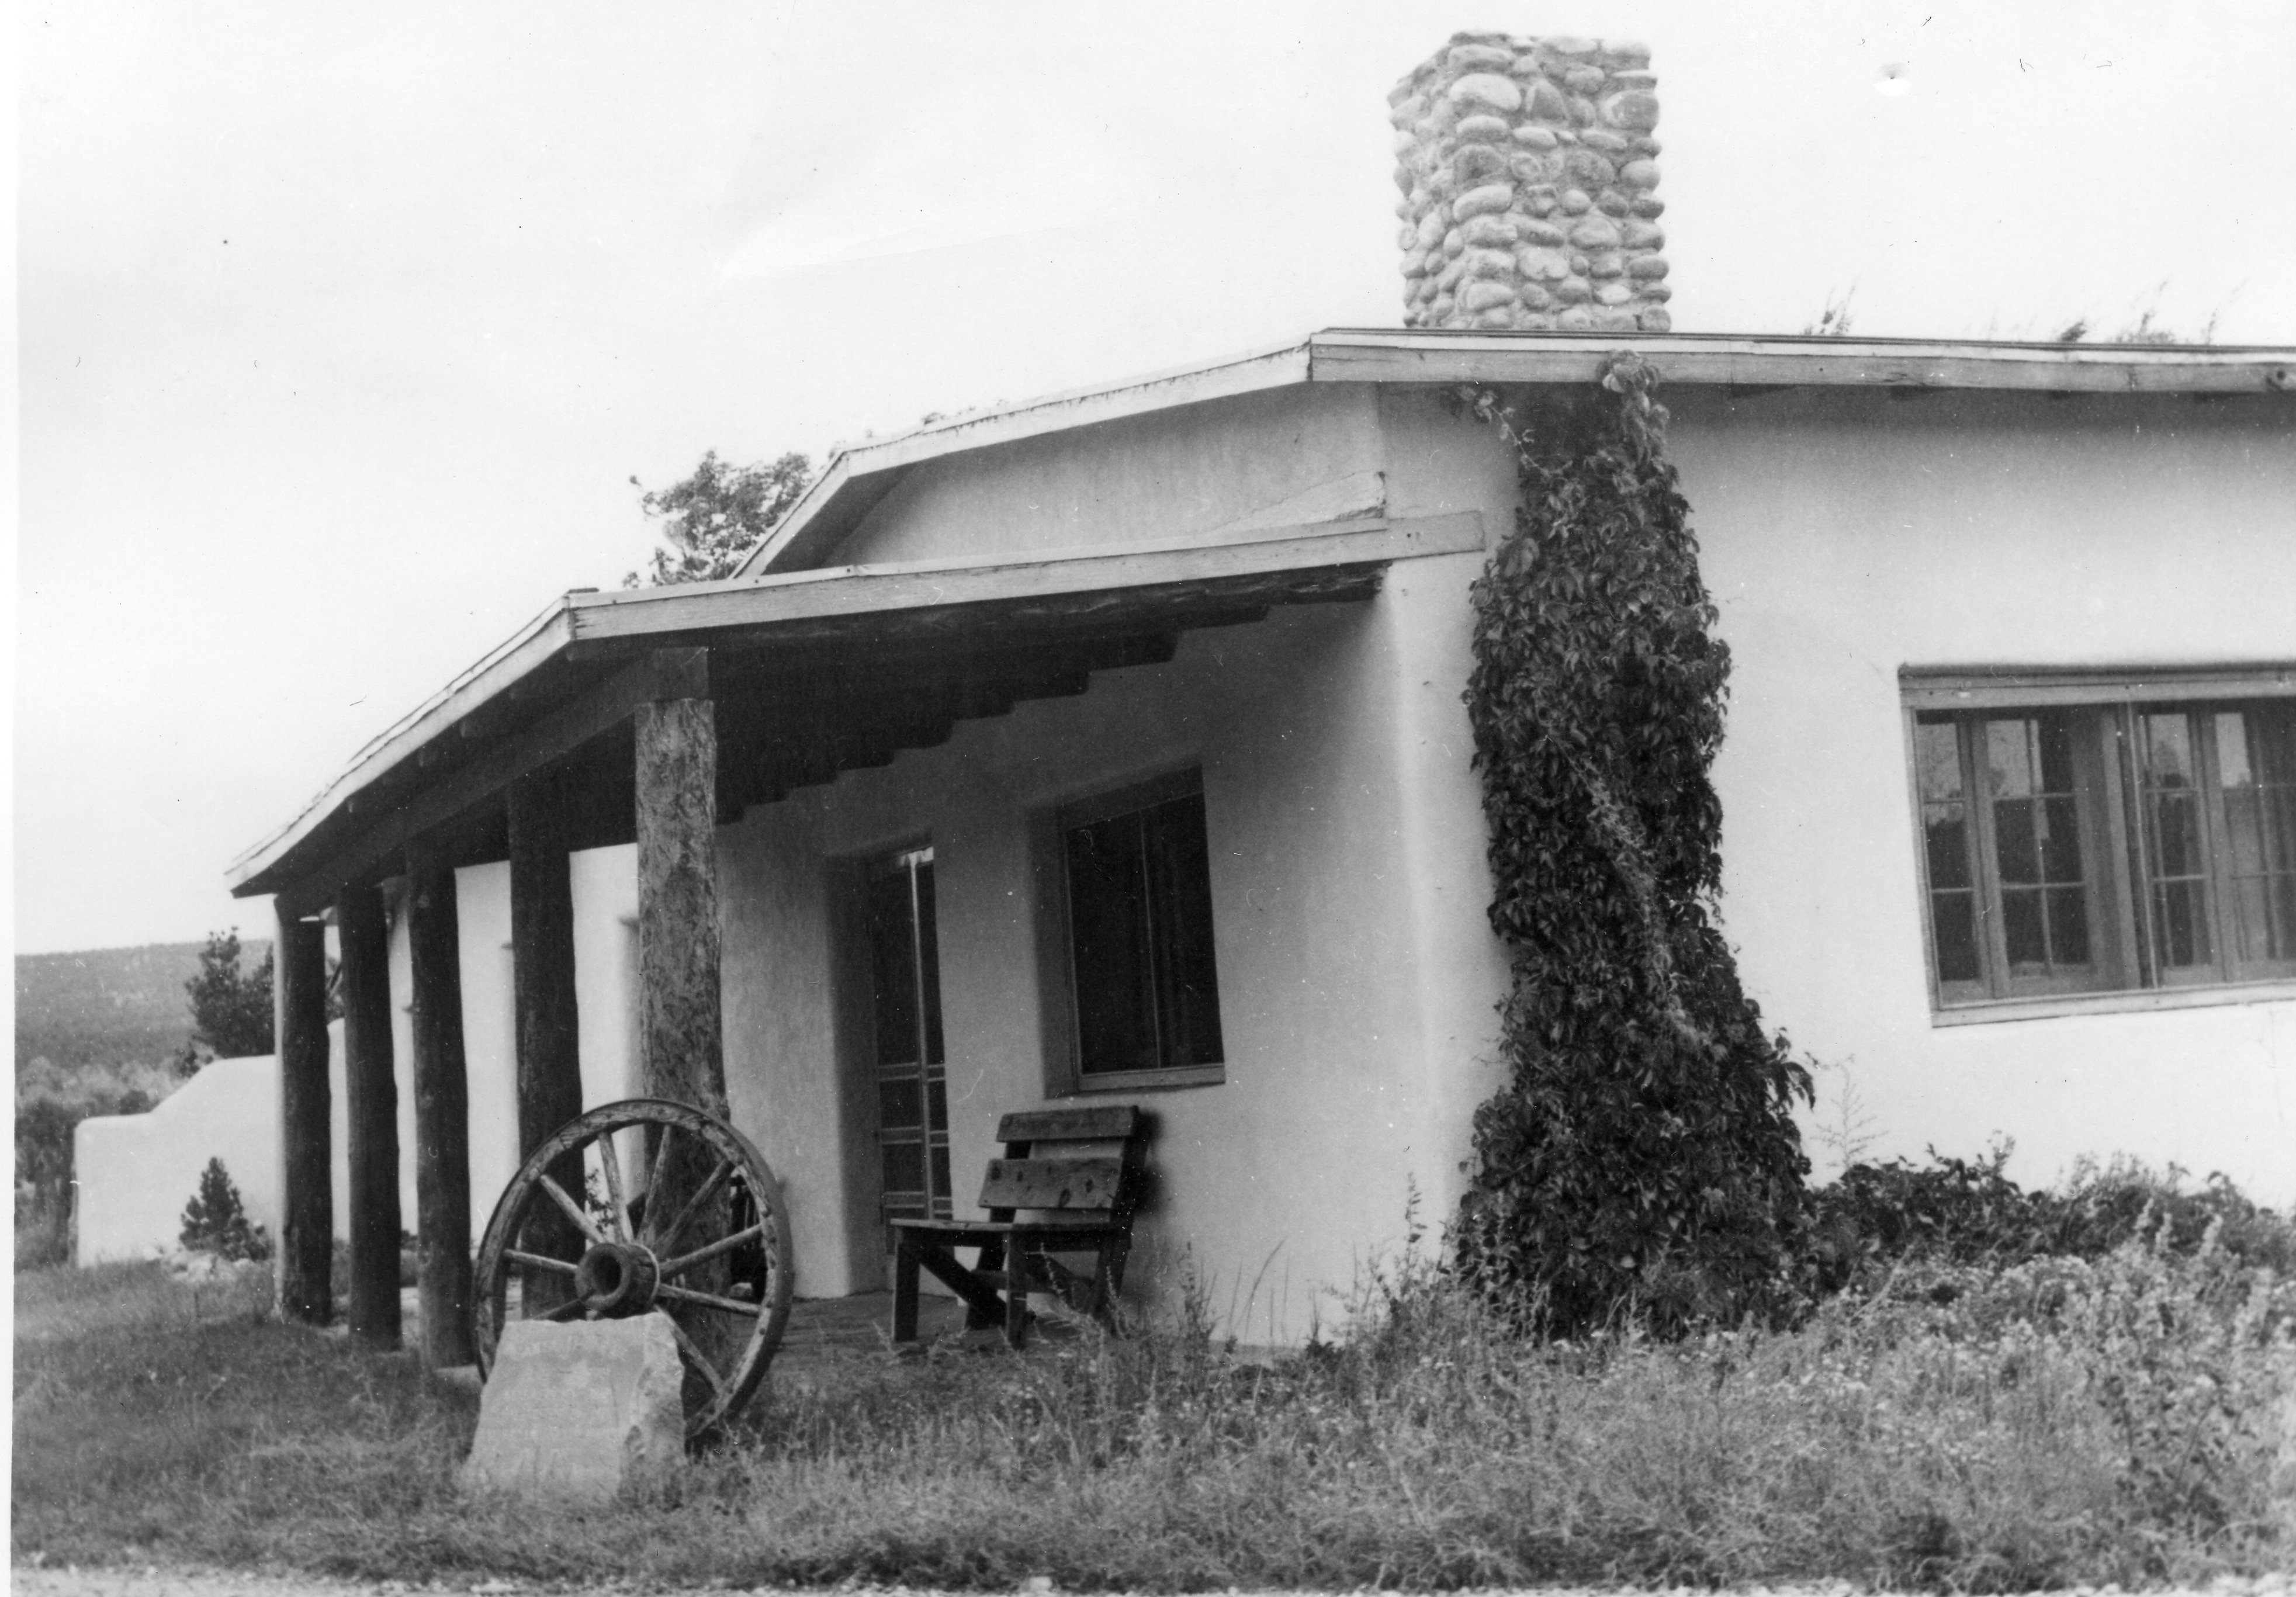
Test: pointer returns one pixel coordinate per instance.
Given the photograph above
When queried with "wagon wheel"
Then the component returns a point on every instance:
(579, 1234)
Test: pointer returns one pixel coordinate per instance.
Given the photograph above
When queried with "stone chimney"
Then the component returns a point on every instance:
(1529, 174)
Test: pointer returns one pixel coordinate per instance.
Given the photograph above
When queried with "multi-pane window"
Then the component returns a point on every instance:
(1145, 987)
(912, 1063)
(2117, 845)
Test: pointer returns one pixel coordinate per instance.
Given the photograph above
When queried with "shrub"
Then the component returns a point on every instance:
(1968, 1211)
(213, 1222)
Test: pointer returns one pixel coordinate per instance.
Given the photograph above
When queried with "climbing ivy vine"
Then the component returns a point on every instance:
(1641, 1160)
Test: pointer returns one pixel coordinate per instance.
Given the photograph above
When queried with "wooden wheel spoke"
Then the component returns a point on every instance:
(707, 1190)
(536, 1261)
(701, 1359)
(611, 1160)
(563, 1311)
(657, 1160)
(731, 1305)
(686, 1261)
(573, 1209)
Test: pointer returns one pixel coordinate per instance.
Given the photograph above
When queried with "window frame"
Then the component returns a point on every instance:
(2115, 841)
(1106, 803)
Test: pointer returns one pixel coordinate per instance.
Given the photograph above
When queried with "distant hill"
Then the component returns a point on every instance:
(108, 1006)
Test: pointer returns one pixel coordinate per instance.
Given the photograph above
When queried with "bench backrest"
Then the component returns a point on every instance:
(1079, 1161)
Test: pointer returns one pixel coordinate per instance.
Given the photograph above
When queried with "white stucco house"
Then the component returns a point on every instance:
(1112, 745)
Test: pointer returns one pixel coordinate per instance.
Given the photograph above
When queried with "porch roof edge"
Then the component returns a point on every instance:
(587, 637)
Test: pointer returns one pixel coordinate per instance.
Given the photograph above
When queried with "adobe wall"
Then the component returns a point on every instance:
(1333, 931)
(1182, 473)
(1847, 534)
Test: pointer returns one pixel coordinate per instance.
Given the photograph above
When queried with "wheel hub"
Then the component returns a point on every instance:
(616, 1280)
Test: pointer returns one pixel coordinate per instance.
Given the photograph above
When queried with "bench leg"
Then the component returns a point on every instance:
(992, 1257)
(905, 1290)
(1016, 1288)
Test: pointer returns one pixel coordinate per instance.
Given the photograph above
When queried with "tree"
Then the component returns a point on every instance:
(231, 1010)
(216, 1222)
(712, 519)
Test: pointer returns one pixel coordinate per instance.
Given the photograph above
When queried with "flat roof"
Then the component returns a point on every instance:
(860, 475)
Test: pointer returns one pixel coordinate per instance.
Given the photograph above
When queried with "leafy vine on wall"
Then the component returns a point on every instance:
(1641, 1159)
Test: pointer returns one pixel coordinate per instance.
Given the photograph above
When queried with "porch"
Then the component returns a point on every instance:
(659, 718)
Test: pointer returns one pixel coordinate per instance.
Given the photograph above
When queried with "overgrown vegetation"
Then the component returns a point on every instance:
(50, 1102)
(1641, 1160)
(711, 519)
(1946, 1425)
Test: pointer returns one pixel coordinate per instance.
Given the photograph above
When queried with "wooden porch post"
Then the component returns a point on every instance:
(306, 1210)
(678, 1004)
(682, 1047)
(364, 936)
(547, 1020)
(442, 1136)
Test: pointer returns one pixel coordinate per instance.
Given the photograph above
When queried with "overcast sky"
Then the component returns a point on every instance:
(343, 328)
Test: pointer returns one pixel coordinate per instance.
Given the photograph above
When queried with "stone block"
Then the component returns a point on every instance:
(1487, 92)
(573, 1411)
(1487, 201)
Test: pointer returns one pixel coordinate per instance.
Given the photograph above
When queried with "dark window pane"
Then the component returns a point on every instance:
(2021, 922)
(1955, 917)
(897, 1103)
(1187, 985)
(905, 1167)
(2181, 915)
(939, 1092)
(892, 953)
(2245, 829)
(1108, 924)
(2013, 843)
(2054, 733)
(2067, 927)
(940, 1181)
(1140, 912)
(1948, 845)
(929, 939)
(2060, 849)
(2177, 834)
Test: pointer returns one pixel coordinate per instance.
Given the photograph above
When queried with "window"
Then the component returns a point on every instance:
(2090, 837)
(1145, 991)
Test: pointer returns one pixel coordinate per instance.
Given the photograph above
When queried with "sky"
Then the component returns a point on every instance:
(343, 330)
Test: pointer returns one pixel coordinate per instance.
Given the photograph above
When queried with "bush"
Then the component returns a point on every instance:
(1970, 1212)
(213, 1222)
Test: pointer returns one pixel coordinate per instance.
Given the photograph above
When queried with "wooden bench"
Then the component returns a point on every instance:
(1076, 1173)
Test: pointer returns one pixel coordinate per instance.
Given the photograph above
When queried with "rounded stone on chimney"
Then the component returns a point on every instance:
(1490, 198)
(1486, 91)
(1546, 104)
(1479, 58)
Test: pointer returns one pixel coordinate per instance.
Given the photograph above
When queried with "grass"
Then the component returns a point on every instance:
(2061, 1422)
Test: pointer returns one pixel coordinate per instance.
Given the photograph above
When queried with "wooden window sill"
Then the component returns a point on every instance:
(1136, 1081)
(2115, 1004)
